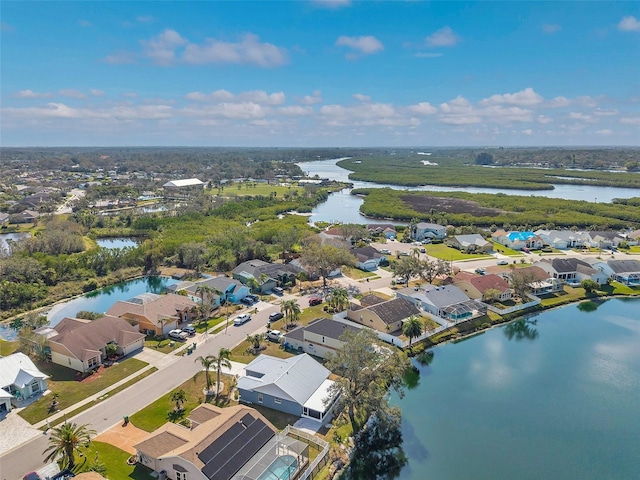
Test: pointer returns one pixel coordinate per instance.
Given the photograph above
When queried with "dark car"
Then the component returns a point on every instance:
(275, 316)
(189, 330)
(247, 301)
(314, 301)
(32, 476)
(255, 298)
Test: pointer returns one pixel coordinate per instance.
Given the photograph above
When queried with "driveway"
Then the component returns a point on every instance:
(15, 431)
(123, 437)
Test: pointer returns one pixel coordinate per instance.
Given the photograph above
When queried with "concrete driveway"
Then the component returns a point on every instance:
(14, 431)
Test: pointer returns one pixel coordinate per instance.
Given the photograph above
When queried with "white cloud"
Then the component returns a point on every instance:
(606, 131)
(31, 94)
(550, 28)
(583, 117)
(315, 97)
(331, 3)
(629, 24)
(585, 101)
(249, 51)
(605, 113)
(72, 93)
(365, 45)
(428, 54)
(544, 119)
(365, 114)
(119, 58)
(559, 102)
(256, 96)
(527, 131)
(527, 97)
(97, 93)
(361, 98)
(445, 37)
(630, 120)
(237, 111)
(460, 111)
(422, 108)
(162, 48)
(295, 110)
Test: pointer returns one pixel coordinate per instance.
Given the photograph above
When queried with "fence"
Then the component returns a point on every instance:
(516, 308)
(323, 456)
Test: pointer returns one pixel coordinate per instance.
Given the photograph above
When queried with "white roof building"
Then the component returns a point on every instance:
(187, 182)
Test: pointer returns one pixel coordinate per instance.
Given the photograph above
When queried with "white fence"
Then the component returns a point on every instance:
(504, 311)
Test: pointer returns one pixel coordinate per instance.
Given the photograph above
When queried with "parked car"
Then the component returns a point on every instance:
(32, 476)
(386, 251)
(423, 250)
(480, 271)
(314, 301)
(241, 319)
(404, 254)
(401, 280)
(277, 291)
(253, 297)
(189, 330)
(247, 301)
(503, 262)
(178, 334)
(274, 335)
(275, 316)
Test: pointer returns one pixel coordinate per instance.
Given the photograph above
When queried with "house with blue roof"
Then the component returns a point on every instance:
(518, 240)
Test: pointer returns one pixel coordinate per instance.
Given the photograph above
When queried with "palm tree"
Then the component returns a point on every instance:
(221, 360)
(253, 284)
(255, 340)
(206, 362)
(338, 299)
(179, 397)
(291, 311)
(412, 328)
(65, 440)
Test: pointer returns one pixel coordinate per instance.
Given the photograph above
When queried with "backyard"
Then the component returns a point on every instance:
(449, 254)
(114, 461)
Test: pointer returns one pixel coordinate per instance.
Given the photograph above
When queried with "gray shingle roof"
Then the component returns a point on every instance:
(394, 310)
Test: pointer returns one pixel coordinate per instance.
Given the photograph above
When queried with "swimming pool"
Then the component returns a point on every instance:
(282, 468)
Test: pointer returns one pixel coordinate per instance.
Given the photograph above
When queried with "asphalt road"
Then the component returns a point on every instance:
(28, 456)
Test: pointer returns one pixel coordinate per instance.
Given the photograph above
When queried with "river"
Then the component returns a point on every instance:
(342, 207)
(556, 400)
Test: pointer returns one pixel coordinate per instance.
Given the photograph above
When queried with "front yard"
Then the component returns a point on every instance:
(114, 460)
(441, 251)
(162, 410)
(70, 390)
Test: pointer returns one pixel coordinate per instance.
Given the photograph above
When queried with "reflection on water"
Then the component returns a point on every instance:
(521, 329)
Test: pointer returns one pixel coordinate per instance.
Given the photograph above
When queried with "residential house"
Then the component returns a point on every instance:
(296, 385)
(633, 238)
(470, 243)
(541, 283)
(423, 230)
(321, 337)
(386, 229)
(26, 216)
(571, 270)
(448, 302)
(230, 289)
(382, 315)
(82, 344)
(218, 443)
(625, 271)
(517, 240)
(563, 239)
(482, 287)
(368, 258)
(4, 218)
(155, 314)
(268, 275)
(19, 379)
(605, 239)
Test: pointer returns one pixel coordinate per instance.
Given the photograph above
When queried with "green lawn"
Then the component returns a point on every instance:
(232, 190)
(7, 348)
(71, 391)
(356, 273)
(115, 461)
(441, 251)
(162, 410)
(279, 419)
(505, 250)
(162, 345)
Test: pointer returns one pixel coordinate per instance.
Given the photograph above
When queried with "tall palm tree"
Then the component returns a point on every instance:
(207, 362)
(291, 311)
(412, 328)
(221, 360)
(179, 397)
(65, 440)
(253, 284)
(338, 299)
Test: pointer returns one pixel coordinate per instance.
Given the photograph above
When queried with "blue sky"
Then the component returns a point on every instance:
(320, 73)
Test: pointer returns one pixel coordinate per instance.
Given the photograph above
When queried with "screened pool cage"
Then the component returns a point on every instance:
(281, 458)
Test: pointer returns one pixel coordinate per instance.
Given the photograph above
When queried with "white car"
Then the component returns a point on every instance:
(178, 334)
(241, 319)
(274, 335)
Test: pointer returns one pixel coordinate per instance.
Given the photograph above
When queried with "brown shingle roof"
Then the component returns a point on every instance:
(159, 444)
(85, 340)
(153, 308)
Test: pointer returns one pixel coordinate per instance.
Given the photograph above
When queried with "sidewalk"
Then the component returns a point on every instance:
(100, 395)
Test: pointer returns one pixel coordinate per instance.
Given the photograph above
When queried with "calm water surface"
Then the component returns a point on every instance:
(101, 300)
(564, 405)
(4, 246)
(116, 242)
(345, 208)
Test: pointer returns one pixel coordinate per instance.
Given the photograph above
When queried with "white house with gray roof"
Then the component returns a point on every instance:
(470, 243)
(423, 230)
(625, 271)
(229, 288)
(563, 239)
(321, 337)
(297, 385)
(447, 302)
(19, 378)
